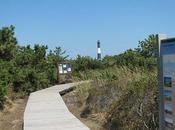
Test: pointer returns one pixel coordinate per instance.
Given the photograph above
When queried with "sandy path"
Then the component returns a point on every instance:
(13, 118)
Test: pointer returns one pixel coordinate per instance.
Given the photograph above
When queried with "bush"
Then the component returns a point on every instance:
(128, 98)
(83, 63)
(137, 107)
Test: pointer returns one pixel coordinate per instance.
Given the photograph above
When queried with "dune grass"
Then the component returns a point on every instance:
(127, 98)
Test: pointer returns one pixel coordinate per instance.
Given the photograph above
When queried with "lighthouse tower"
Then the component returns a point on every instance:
(98, 50)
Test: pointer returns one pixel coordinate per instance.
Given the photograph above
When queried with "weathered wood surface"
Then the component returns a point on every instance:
(46, 110)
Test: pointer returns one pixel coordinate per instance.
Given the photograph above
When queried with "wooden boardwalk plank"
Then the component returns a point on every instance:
(46, 110)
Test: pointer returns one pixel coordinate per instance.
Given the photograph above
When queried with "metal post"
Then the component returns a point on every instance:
(160, 37)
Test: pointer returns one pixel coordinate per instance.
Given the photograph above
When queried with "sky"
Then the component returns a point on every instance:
(76, 25)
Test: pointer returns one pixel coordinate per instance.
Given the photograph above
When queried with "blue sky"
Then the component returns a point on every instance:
(76, 25)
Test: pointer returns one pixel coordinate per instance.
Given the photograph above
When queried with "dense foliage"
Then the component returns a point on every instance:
(25, 69)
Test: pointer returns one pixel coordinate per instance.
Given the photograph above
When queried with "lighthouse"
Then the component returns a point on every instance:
(98, 50)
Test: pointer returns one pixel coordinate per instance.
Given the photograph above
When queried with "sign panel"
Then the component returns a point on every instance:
(65, 68)
(167, 61)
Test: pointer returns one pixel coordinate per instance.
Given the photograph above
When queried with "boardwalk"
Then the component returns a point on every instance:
(46, 110)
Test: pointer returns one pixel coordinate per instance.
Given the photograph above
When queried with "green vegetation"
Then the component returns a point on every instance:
(25, 69)
(123, 90)
(126, 98)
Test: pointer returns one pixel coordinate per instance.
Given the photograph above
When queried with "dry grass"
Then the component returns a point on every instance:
(118, 94)
(11, 118)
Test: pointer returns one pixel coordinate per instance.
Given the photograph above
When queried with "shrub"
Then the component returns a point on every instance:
(83, 63)
(128, 98)
(137, 107)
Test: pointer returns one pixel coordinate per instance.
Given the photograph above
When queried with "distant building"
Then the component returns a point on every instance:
(98, 50)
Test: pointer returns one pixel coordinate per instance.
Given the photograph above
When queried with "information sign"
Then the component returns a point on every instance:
(167, 84)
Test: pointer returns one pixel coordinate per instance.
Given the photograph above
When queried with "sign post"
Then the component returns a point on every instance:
(63, 69)
(166, 78)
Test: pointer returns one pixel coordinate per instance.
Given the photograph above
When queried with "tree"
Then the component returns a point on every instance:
(8, 47)
(24, 56)
(7, 43)
(148, 47)
(53, 58)
(58, 55)
(142, 56)
(39, 53)
(82, 63)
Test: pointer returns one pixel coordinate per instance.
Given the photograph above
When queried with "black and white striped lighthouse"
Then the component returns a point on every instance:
(98, 50)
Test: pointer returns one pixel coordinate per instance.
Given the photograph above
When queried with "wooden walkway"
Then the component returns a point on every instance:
(46, 110)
